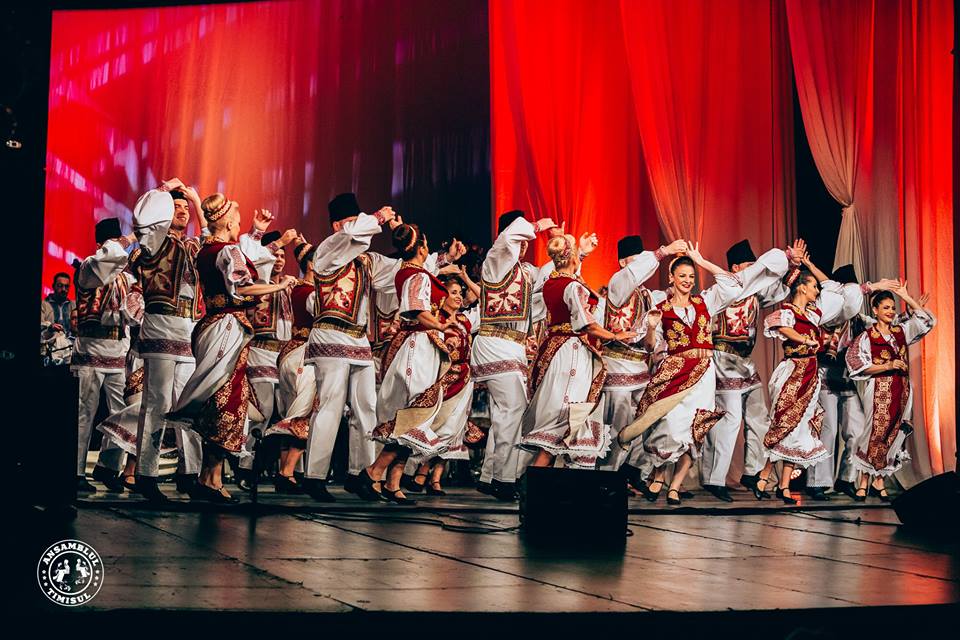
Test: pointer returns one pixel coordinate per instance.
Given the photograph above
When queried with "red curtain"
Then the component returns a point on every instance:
(279, 104)
(564, 142)
(875, 82)
(711, 88)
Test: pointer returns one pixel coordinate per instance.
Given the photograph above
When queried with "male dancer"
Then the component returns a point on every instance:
(164, 268)
(103, 339)
(499, 350)
(346, 274)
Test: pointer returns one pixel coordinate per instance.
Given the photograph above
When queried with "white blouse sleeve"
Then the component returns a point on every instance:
(233, 265)
(505, 251)
(104, 266)
(383, 272)
(725, 291)
(415, 296)
(623, 283)
(132, 305)
(833, 299)
(261, 257)
(764, 274)
(781, 318)
(919, 324)
(473, 315)
(577, 298)
(859, 357)
(311, 302)
(343, 246)
(538, 308)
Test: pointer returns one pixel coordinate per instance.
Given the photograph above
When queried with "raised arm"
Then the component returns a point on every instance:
(342, 247)
(106, 264)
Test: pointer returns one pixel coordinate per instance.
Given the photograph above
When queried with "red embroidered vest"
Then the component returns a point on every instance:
(163, 275)
(340, 294)
(558, 313)
(266, 314)
(458, 338)
(214, 288)
(681, 337)
(437, 291)
(804, 327)
(507, 300)
(883, 352)
(302, 318)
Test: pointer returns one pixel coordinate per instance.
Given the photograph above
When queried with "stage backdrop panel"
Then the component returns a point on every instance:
(278, 104)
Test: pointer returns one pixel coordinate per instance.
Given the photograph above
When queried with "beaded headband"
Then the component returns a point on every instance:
(213, 216)
(304, 250)
(413, 240)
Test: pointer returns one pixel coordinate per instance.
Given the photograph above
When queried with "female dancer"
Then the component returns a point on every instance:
(458, 384)
(216, 396)
(795, 414)
(678, 405)
(297, 389)
(879, 357)
(565, 415)
(414, 365)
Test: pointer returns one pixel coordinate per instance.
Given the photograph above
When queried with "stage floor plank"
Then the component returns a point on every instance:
(393, 559)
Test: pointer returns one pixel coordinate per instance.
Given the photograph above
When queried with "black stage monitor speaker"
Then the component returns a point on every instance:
(558, 505)
(932, 504)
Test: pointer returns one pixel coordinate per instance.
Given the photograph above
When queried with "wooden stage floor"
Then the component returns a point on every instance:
(300, 558)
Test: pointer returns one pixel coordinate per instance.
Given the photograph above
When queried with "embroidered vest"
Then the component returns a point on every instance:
(804, 327)
(341, 293)
(437, 291)
(681, 337)
(507, 300)
(266, 314)
(161, 277)
(214, 288)
(626, 316)
(302, 318)
(558, 313)
(90, 308)
(458, 338)
(882, 351)
(383, 325)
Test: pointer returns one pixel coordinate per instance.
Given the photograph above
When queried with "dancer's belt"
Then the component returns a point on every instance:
(98, 331)
(742, 349)
(797, 356)
(267, 344)
(300, 332)
(694, 354)
(352, 330)
(562, 329)
(184, 308)
(498, 331)
(222, 303)
(620, 351)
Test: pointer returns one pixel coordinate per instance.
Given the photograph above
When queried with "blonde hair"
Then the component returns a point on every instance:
(215, 208)
(560, 250)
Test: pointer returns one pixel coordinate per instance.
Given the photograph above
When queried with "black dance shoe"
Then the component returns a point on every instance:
(186, 482)
(286, 486)
(846, 488)
(365, 490)
(749, 481)
(860, 495)
(350, 483)
(148, 488)
(758, 493)
(781, 493)
(673, 501)
(395, 497)
(435, 492)
(720, 493)
(880, 493)
(409, 483)
(214, 496)
(108, 478)
(83, 486)
(316, 489)
(485, 488)
(504, 491)
(651, 496)
(818, 493)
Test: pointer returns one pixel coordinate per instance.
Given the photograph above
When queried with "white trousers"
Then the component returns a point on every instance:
(265, 391)
(91, 381)
(507, 400)
(620, 409)
(163, 381)
(842, 414)
(340, 383)
(747, 407)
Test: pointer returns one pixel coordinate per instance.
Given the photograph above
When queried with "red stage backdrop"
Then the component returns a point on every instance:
(278, 104)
